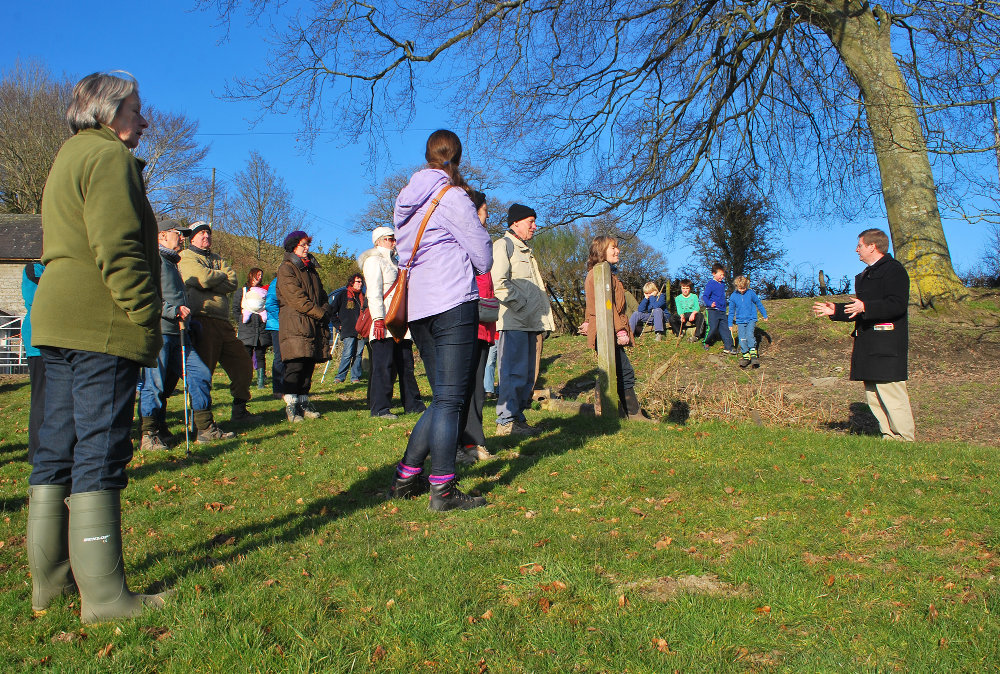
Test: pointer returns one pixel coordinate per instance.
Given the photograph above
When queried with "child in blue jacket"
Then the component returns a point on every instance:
(714, 299)
(743, 307)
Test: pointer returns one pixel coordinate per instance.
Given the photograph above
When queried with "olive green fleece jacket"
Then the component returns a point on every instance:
(208, 281)
(101, 288)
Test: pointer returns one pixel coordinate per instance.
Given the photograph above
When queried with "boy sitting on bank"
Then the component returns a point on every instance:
(651, 307)
(714, 298)
(688, 312)
(743, 307)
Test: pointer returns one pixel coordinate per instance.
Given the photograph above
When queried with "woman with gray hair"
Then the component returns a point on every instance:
(96, 321)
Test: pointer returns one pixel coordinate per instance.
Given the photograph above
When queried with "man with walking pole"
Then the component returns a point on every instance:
(177, 358)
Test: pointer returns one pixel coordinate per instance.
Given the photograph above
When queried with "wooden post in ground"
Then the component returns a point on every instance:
(607, 387)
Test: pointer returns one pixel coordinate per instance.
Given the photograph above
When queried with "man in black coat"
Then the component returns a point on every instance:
(881, 340)
(345, 308)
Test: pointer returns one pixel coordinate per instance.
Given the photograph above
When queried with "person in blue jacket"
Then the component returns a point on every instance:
(652, 307)
(714, 298)
(271, 325)
(36, 364)
(743, 307)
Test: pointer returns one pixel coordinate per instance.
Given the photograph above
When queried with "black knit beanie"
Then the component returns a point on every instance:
(519, 212)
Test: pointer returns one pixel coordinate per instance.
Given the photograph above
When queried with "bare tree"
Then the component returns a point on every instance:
(259, 208)
(378, 212)
(32, 128)
(632, 102)
(174, 162)
(736, 227)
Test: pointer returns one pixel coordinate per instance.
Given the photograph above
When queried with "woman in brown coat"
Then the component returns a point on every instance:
(605, 249)
(303, 324)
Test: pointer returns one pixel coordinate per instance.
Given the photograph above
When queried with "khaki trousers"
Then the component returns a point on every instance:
(218, 345)
(890, 404)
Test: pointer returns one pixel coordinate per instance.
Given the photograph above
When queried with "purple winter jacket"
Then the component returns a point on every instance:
(454, 249)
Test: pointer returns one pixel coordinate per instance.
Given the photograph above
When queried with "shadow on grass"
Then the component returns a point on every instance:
(860, 421)
(14, 452)
(288, 528)
(16, 504)
(560, 435)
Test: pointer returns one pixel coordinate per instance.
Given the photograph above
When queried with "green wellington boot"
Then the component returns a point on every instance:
(95, 550)
(48, 544)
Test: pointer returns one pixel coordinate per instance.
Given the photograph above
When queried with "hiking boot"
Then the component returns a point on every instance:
(524, 428)
(730, 352)
(659, 336)
(240, 411)
(479, 451)
(48, 544)
(465, 458)
(213, 432)
(385, 415)
(306, 408)
(151, 441)
(447, 496)
(754, 360)
(409, 487)
(292, 408)
(745, 360)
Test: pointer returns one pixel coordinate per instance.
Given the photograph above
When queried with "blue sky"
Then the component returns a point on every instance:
(181, 66)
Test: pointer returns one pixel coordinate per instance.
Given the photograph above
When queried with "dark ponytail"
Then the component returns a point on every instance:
(444, 151)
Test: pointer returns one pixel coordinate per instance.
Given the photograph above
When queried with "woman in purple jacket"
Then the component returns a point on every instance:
(443, 313)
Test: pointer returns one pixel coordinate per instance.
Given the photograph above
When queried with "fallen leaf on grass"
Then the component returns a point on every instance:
(69, 637)
(104, 652)
(762, 609)
(829, 580)
(544, 604)
(531, 568)
(663, 543)
(623, 601)
(932, 613)
(269, 582)
(541, 543)
(488, 614)
(158, 633)
(522, 490)
(942, 643)
(215, 505)
(661, 645)
(390, 603)
(729, 490)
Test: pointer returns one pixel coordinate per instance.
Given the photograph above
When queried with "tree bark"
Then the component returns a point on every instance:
(861, 36)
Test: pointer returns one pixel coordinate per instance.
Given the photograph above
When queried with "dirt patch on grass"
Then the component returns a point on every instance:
(666, 588)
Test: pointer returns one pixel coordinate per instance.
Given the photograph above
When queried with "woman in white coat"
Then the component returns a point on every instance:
(388, 357)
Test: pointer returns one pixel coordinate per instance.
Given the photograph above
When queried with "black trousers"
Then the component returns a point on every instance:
(299, 375)
(699, 324)
(36, 377)
(471, 422)
(389, 360)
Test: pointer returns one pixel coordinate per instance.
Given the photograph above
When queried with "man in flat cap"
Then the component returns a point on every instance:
(209, 280)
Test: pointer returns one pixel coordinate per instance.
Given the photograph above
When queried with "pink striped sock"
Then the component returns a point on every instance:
(441, 479)
(405, 471)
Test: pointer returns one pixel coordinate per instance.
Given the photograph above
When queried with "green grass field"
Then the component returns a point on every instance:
(636, 548)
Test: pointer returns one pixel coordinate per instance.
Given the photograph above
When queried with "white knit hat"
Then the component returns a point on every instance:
(379, 232)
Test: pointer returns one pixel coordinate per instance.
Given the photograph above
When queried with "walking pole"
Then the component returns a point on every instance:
(332, 349)
(187, 423)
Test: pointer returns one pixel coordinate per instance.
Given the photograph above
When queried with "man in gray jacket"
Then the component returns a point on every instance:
(525, 314)
(159, 381)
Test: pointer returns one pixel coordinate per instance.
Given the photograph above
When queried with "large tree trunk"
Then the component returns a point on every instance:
(861, 37)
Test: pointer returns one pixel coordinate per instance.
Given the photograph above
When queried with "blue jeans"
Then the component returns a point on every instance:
(85, 438)
(277, 366)
(644, 317)
(516, 353)
(718, 324)
(447, 345)
(353, 348)
(489, 378)
(747, 339)
(158, 382)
